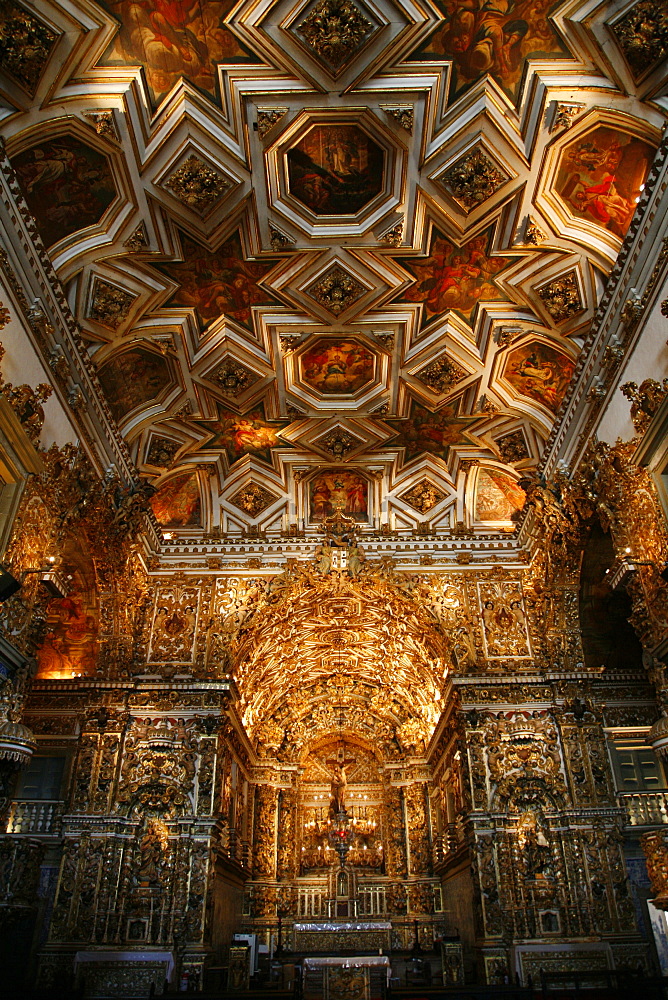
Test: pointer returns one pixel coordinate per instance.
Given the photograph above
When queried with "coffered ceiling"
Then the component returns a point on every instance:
(338, 254)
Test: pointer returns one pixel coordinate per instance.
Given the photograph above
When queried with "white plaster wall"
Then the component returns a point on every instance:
(649, 359)
(22, 364)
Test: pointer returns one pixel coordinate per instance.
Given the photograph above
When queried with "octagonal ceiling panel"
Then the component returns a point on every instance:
(335, 172)
(342, 373)
(594, 175)
(337, 367)
(539, 371)
(72, 184)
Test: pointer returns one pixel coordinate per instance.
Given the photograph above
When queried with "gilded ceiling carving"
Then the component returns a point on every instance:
(473, 179)
(334, 30)
(642, 33)
(25, 45)
(197, 184)
(442, 182)
(308, 630)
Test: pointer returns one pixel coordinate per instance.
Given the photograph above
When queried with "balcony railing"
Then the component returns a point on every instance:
(445, 844)
(645, 808)
(38, 817)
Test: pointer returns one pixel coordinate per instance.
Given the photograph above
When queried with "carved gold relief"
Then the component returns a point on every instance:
(473, 179)
(173, 634)
(25, 45)
(109, 304)
(334, 30)
(562, 297)
(336, 290)
(253, 499)
(197, 184)
(642, 34)
(442, 375)
(423, 496)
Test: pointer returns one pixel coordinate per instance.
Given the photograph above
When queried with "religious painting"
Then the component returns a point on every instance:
(174, 40)
(177, 503)
(133, 378)
(68, 185)
(70, 646)
(337, 367)
(250, 434)
(454, 277)
(219, 283)
(432, 432)
(540, 372)
(335, 169)
(498, 496)
(600, 177)
(338, 490)
(493, 38)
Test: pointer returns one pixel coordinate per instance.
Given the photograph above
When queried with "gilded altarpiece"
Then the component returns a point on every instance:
(507, 777)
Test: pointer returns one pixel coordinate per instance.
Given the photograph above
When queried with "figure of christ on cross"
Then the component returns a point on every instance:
(337, 802)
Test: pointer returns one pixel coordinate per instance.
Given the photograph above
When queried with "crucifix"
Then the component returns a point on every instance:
(339, 783)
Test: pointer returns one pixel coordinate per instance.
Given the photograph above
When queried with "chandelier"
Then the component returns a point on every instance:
(340, 835)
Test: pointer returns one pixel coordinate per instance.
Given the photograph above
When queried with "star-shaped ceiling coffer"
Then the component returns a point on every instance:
(434, 432)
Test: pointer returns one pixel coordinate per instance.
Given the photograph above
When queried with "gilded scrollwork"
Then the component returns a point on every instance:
(174, 622)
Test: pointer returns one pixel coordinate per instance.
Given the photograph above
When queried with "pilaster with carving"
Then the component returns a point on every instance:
(286, 852)
(396, 860)
(417, 824)
(264, 833)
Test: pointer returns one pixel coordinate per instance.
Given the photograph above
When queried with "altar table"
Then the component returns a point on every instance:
(353, 977)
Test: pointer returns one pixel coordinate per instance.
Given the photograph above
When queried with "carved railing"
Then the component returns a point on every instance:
(37, 817)
(645, 808)
(312, 901)
(234, 848)
(444, 844)
(371, 902)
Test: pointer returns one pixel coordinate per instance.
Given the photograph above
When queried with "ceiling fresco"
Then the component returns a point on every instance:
(493, 38)
(334, 257)
(335, 169)
(601, 175)
(243, 434)
(337, 367)
(454, 277)
(177, 504)
(218, 284)
(68, 185)
(174, 40)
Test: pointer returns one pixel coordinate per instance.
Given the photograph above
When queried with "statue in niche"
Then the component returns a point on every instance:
(537, 856)
(337, 802)
(152, 851)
